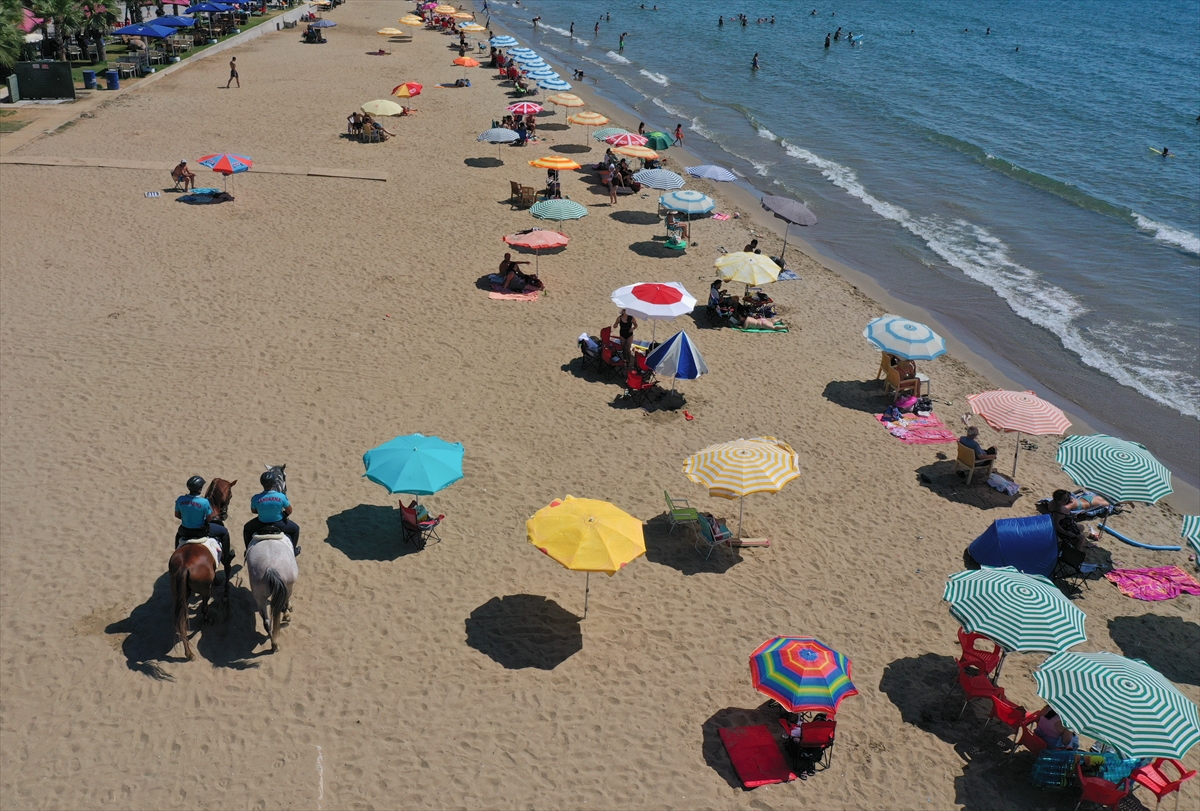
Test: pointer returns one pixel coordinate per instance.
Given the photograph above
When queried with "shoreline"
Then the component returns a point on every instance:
(1186, 483)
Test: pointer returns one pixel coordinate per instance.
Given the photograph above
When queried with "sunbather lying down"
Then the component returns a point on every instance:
(757, 322)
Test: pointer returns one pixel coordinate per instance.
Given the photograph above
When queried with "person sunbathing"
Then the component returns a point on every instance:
(1068, 529)
(747, 320)
(182, 174)
(1086, 501)
(673, 224)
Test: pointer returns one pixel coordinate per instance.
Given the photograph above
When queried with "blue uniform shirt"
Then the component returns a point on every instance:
(193, 510)
(270, 506)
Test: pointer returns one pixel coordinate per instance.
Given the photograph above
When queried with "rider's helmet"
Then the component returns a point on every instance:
(195, 485)
(269, 480)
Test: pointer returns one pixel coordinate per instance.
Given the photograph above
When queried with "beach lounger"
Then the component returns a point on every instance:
(712, 538)
(681, 513)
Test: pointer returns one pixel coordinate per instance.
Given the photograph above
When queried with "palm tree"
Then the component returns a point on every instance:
(12, 33)
(99, 19)
(67, 18)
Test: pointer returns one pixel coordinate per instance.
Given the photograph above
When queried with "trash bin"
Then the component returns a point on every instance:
(113, 78)
(89, 80)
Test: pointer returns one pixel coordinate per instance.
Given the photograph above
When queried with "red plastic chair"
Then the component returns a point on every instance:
(1154, 778)
(1013, 715)
(985, 660)
(1100, 791)
(975, 686)
(1028, 736)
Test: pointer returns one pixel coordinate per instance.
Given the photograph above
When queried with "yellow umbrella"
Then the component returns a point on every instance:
(555, 162)
(390, 32)
(565, 100)
(382, 107)
(588, 119)
(751, 268)
(637, 152)
(444, 9)
(411, 20)
(473, 28)
(463, 15)
(743, 467)
(586, 535)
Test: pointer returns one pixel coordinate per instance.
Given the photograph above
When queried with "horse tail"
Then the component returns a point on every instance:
(279, 599)
(180, 586)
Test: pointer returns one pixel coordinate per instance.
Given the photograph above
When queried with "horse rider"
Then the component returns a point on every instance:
(193, 511)
(271, 509)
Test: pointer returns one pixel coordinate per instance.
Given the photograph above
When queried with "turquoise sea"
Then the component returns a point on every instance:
(1003, 180)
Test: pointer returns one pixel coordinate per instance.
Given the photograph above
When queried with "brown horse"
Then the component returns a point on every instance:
(192, 569)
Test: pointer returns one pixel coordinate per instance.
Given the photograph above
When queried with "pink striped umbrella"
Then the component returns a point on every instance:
(627, 139)
(1020, 411)
(524, 108)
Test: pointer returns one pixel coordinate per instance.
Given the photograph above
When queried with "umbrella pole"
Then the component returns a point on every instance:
(1016, 453)
(996, 678)
(587, 587)
(783, 251)
(741, 504)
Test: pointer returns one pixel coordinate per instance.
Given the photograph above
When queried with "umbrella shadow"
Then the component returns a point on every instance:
(993, 780)
(857, 395)
(659, 400)
(677, 550)
(368, 532)
(702, 320)
(654, 249)
(483, 163)
(553, 127)
(714, 750)
(941, 478)
(524, 631)
(633, 217)
(571, 149)
(1170, 645)
(925, 690)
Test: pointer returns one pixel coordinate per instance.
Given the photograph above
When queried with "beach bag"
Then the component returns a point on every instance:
(906, 403)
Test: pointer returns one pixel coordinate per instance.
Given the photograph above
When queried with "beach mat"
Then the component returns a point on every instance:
(755, 756)
(514, 296)
(919, 430)
(756, 329)
(1161, 583)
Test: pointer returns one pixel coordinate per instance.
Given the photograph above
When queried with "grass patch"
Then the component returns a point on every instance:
(12, 126)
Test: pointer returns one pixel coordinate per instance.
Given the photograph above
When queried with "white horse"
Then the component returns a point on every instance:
(273, 572)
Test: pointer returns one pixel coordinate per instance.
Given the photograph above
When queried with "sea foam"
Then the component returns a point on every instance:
(1169, 234)
(657, 78)
(616, 57)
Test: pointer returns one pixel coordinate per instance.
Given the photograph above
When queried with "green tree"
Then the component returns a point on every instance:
(12, 35)
(65, 15)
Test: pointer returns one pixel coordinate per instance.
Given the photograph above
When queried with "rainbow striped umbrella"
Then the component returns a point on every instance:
(1120, 470)
(742, 467)
(802, 674)
(1020, 411)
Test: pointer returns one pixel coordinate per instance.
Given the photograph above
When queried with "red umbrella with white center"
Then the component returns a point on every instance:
(524, 108)
(654, 301)
(627, 139)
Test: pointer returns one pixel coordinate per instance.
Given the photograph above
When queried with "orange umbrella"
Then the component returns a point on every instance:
(637, 152)
(536, 241)
(565, 100)
(588, 119)
(466, 62)
(407, 90)
(555, 162)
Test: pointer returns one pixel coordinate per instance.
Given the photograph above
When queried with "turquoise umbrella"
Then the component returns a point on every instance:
(557, 210)
(1021, 612)
(1115, 468)
(417, 464)
(1123, 702)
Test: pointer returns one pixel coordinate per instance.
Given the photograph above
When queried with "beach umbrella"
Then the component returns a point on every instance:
(1020, 411)
(146, 31)
(658, 140)
(537, 241)
(558, 210)
(752, 269)
(743, 467)
(790, 211)
(565, 100)
(1115, 468)
(502, 42)
(1122, 702)
(642, 152)
(524, 108)
(626, 139)
(382, 107)
(587, 119)
(499, 135)
(523, 57)
(415, 463)
(677, 358)
(709, 172)
(207, 8)
(687, 201)
(554, 84)
(802, 674)
(390, 32)
(654, 301)
(444, 8)
(558, 162)
(1020, 612)
(472, 28)
(227, 164)
(659, 179)
(174, 21)
(515, 52)
(542, 74)
(324, 24)
(466, 62)
(604, 132)
(586, 535)
(407, 90)
(414, 22)
(898, 336)
(463, 15)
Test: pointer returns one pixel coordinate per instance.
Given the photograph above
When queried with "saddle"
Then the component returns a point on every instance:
(211, 544)
(268, 536)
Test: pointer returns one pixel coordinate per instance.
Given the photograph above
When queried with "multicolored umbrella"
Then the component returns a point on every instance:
(417, 464)
(677, 358)
(586, 535)
(565, 100)
(802, 674)
(407, 90)
(537, 241)
(1020, 411)
(752, 269)
(1021, 612)
(524, 108)
(558, 162)
(1123, 702)
(710, 172)
(1115, 468)
(626, 139)
(659, 179)
(743, 467)
(227, 164)
(558, 210)
(898, 336)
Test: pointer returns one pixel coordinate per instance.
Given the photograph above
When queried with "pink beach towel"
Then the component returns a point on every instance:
(914, 430)
(515, 296)
(1162, 583)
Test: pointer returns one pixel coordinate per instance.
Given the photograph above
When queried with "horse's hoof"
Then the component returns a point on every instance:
(286, 618)
(274, 648)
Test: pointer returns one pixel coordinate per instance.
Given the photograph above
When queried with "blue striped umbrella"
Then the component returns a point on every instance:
(533, 65)
(503, 42)
(1123, 702)
(515, 52)
(554, 84)
(543, 73)
(417, 464)
(709, 172)
(1116, 468)
(677, 358)
(904, 338)
(688, 201)
(659, 179)
(525, 58)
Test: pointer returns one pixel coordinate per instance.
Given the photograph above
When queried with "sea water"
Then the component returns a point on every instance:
(1002, 179)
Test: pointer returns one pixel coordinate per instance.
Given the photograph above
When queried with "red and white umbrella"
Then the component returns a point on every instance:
(654, 301)
(538, 240)
(627, 139)
(524, 108)
(1020, 411)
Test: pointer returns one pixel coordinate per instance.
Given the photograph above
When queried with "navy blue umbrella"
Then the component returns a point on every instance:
(208, 8)
(147, 31)
(172, 21)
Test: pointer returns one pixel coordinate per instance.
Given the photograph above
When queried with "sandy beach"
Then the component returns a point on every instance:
(143, 340)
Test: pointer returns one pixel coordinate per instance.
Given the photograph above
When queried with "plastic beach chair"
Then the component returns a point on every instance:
(680, 512)
(1154, 778)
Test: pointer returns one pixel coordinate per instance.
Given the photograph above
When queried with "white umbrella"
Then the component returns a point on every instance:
(654, 301)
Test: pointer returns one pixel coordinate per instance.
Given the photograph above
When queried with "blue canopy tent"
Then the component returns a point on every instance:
(1029, 545)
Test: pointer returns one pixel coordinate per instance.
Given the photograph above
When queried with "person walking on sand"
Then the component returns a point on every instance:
(233, 74)
(679, 135)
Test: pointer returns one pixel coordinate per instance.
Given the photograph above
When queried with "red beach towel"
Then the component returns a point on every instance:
(755, 755)
(1162, 583)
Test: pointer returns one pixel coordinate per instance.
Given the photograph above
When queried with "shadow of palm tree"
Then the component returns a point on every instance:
(634, 217)
(714, 750)
(524, 630)
(368, 532)
(654, 250)
(150, 633)
(483, 163)
(678, 550)
(1170, 645)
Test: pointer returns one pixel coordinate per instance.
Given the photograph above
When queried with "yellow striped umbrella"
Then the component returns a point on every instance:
(645, 153)
(416, 22)
(390, 32)
(555, 162)
(588, 119)
(586, 535)
(473, 28)
(750, 268)
(463, 15)
(743, 467)
(444, 9)
(565, 100)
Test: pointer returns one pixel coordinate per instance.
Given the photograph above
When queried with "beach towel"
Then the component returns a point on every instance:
(914, 430)
(1162, 583)
(720, 216)
(755, 755)
(756, 329)
(787, 276)
(533, 296)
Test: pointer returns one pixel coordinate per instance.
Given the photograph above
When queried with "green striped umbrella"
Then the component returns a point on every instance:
(1123, 702)
(1021, 612)
(1191, 533)
(558, 210)
(1120, 470)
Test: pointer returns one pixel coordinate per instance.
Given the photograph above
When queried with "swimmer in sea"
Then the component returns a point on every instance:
(1166, 152)
(826, 40)
(720, 22)
(837, 35)
(754, 63)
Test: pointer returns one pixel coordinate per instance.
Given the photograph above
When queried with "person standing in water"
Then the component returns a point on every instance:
(827, 40)
(621, 44)
(720, 22)
(572, 29)
(754, 62)
(837, 35)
